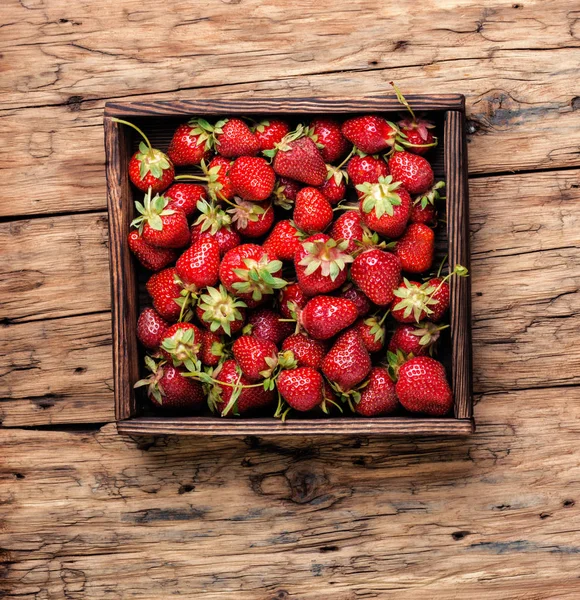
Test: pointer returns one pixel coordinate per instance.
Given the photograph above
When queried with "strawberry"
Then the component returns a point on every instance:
(284, 241)
(234, 138)
(211, 349)
(347, 362)
(252, 178)
(372, 333)
(266, 324)
(160, 226)
(385, 206)
(307, 351)
(256, 356)
(150, 257)
(377, 273)
(378, 398)
(291, 298)
(299, 158)
(181, 345)
(327, 135)
(228, 400)
(412, 170)
(366, 169)
(285, 192)
(441, 298)
(217, 177)
(149, 167)
(422, 387)
(412, 302)
(362, 303)
(320, 264)
(370, 134)
(302, 388)
(252, 219)
(185, 196)
(312, 211)
(270, 132)
(427, 215)
(221, 312)
(215, 221)
(348, 227)
(198, 266)
(225, 237)
(325, 316)
(151, 329)
(165, 290)
(248, 272)
(190, 144)
(168, 389)
(334, 188)
(416, 248)
(417, 339)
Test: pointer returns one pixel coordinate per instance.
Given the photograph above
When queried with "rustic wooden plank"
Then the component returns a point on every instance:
(57, 371)
(94, 514)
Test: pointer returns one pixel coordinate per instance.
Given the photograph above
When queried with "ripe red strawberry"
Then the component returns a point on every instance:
(366, 169)
(252, 219)
(440, 297)
(257, 357)
(149, 167)
(291, 298)
(348, 227)
(198, 266)
(217, 177)
(416, 248)
(285, 192)
(348, 361)
(191, 144)
(160, 226)
(299, 158)
(248, 272)
(220, 312)
(229, 401)
(234, 138)
(377, 273)
(326, 133)
(151, 329)
(422, 387)
(378, 398)
(312, 211)
(265, 323)
(181, 345)
(372, 333)
(427, 215)
(221, 231)
(320, 264)
(307, 351)
(185, 196)
(385, 206)
(301, 388)
(168, 389)
(211, 349)
(363, 305)
(252, 178)
(415, 339)
(165, 290)
(412, 302)
(370, 134)
(284, 241)
(412, 170)
(325, 316)
(150, 257)
(270, 132)
(334, 188)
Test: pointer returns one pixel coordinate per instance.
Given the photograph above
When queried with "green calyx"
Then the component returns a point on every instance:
(183, 349)
(415, 299)
(154, 388)
(205, 131)
(244, 212)
(280, 199)
(151, 161)
(212, 218)
(329, 256)
(258, 277)
(376, 329)
(337, 173)
(151, 211)
(380, 197)
(395, 360)
(431, 195)
(284, 144)
(220, 308)
(428, 333)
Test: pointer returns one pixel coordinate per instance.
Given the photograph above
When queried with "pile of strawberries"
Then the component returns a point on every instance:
(282, 262)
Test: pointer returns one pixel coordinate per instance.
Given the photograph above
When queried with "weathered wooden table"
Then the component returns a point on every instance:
(89, 514)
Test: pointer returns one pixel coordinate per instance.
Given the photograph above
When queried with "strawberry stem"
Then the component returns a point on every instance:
(403, 100)
(115, 120)
(186, 177)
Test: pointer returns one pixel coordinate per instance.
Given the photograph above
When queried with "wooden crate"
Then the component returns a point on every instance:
(159, 119)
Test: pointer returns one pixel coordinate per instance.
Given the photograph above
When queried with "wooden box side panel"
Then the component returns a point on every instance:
(123, 279)
(458, 236)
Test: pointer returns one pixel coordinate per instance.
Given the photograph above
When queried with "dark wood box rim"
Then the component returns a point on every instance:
(122, 272)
